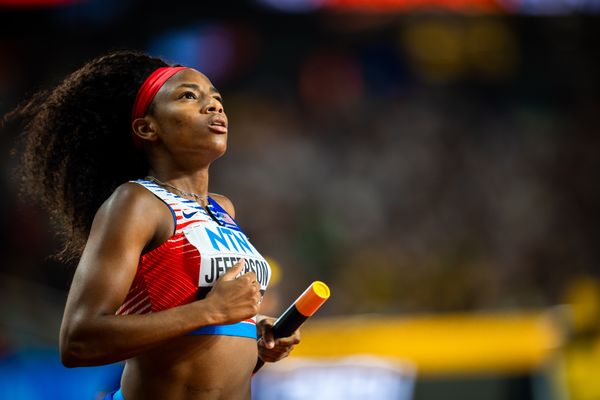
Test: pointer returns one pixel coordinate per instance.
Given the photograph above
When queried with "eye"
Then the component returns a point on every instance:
(219, 99)
(188, 95)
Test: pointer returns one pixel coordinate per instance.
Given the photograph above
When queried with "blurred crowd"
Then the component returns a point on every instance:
(424, 163)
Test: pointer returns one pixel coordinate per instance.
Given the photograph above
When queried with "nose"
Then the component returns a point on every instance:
(214, 106)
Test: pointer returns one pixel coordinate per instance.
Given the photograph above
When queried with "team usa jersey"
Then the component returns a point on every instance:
(183, 269)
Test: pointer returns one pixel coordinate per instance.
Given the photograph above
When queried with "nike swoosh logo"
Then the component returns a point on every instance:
(190, 215)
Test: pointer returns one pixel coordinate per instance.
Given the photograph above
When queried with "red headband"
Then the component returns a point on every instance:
(149, 88)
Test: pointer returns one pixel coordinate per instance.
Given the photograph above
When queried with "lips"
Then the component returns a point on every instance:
(218, 124)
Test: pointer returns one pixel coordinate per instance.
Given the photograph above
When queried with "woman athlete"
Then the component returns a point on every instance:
(120, 152)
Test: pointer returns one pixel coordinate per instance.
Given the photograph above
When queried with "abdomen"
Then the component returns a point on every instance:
(207, 367)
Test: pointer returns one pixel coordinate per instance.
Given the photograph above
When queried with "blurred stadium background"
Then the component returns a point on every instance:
(434, 161)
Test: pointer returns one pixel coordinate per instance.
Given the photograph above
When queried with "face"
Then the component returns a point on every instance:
(187, 115)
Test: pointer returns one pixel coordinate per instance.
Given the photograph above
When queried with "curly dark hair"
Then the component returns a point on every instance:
(78, 144)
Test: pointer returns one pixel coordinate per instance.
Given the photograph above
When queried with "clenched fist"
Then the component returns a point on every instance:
(235, 298)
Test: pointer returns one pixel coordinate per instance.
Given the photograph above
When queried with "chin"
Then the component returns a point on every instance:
(220, 154)
(218, 151)
(216, 148)
(221, 145)
(221, 149)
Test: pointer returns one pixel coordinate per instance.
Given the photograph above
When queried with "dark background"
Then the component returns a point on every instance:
(418, 162)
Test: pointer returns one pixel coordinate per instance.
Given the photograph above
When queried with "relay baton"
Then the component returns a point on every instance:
(299, 311)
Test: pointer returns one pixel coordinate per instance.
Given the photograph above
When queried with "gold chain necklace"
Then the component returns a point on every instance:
(198, 197)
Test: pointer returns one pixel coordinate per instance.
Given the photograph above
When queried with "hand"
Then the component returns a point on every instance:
(234, 299)
(271, 349)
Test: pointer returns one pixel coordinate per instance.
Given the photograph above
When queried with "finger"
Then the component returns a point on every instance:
(284, 343)
(268, 340)
(281, 349)
(274, 356)
(264, 325)
(234, 271)
(250, 276)
(288, 341)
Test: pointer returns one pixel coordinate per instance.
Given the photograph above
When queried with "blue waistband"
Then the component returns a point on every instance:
(118, 395)
(243, 329)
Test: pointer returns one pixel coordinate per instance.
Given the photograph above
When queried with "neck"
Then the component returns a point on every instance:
(188, 171)
(191, 182)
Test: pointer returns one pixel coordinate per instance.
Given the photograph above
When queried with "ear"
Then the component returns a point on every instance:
(144, 129)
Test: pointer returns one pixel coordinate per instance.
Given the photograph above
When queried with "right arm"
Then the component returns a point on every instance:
(91, 333)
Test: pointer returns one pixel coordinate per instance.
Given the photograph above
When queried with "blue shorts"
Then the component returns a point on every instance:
(117, 395)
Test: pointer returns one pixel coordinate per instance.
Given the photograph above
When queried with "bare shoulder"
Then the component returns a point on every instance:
(225, 203)
(132, 205)
(130, 198)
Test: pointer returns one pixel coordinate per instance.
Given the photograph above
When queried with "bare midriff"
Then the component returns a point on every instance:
(207, 367)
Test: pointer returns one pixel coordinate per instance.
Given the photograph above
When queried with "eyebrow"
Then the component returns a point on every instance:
(212, 89)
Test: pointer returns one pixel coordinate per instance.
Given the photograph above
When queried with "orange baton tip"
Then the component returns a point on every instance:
(312, 298)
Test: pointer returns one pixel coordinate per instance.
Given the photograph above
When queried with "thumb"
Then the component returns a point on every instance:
(232, 272)
(268, 340)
